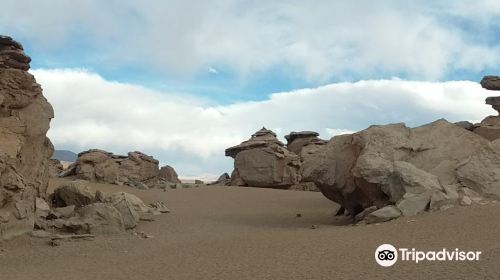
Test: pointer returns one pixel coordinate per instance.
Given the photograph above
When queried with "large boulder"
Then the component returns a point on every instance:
(99, 218)
(135, 169)
(263, 161)
(401, 166)
(168, 174)
(73, 193)
(130, 207)
(24, 148)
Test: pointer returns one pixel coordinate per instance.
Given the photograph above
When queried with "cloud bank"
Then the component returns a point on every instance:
(191, 133)
(312, 40)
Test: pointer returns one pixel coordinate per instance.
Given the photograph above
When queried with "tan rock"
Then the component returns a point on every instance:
(24, 148)
(168, 173)
(262, 161)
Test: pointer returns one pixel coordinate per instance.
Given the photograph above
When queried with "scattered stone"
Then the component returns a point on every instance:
(147, 217)
(64, 212)
(314, 226)
(54, 243)
(160, 206)
(361, 216)
(440, 200)
(383, 214)
(298, 215)
(42, 209)
(466, 201)
(144, 235)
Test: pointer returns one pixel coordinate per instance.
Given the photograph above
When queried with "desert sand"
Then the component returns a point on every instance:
(253, 233)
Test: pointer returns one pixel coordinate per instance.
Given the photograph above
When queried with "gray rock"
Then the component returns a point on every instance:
(76, 193)
(384, 214)
(413, 204)
(100, 218)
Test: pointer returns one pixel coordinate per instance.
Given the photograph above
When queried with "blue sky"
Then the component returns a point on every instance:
(207, 58)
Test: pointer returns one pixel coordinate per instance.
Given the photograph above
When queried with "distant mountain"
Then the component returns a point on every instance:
(64, 155)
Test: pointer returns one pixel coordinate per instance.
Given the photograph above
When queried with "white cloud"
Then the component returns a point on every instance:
(191, 135)
(314, 40)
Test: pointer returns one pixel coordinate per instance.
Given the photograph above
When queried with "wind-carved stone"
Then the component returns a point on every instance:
(24, 148)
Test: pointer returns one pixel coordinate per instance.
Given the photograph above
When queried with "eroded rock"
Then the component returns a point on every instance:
(24, 148)
(262, 161)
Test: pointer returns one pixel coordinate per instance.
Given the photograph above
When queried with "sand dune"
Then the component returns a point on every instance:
(250, 233)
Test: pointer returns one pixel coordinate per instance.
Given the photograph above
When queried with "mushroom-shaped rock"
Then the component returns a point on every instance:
(297, 140)
(262, 161)
(491, 82)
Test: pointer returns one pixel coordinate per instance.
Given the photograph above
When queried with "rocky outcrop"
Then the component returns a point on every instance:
(24, 148)
(76, 208)
(12, 55)
(167, 173)
(297, 140)
(415, 169)
(263, 161)
(136, 169)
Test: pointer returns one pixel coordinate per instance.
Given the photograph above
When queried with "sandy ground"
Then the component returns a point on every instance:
(249, 233)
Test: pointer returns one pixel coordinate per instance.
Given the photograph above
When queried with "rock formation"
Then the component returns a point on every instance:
(297, 140)
(24, 148)
(263, 161)
(491, 83)
(167, 173)
(136, 169)
(78, 209)
(489, 128)
(430, 167)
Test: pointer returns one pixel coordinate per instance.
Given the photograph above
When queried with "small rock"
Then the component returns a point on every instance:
(160, 206)
(42, 209)
(360, 216)
(466, 201)
(54, 243)
(314, 226)
(147, 217)
(298, 215)
(144, 235)
(384, 214)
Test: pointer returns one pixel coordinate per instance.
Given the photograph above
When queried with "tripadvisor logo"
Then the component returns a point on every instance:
(387, 255)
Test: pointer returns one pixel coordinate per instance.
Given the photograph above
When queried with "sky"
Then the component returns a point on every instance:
(183, 80)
